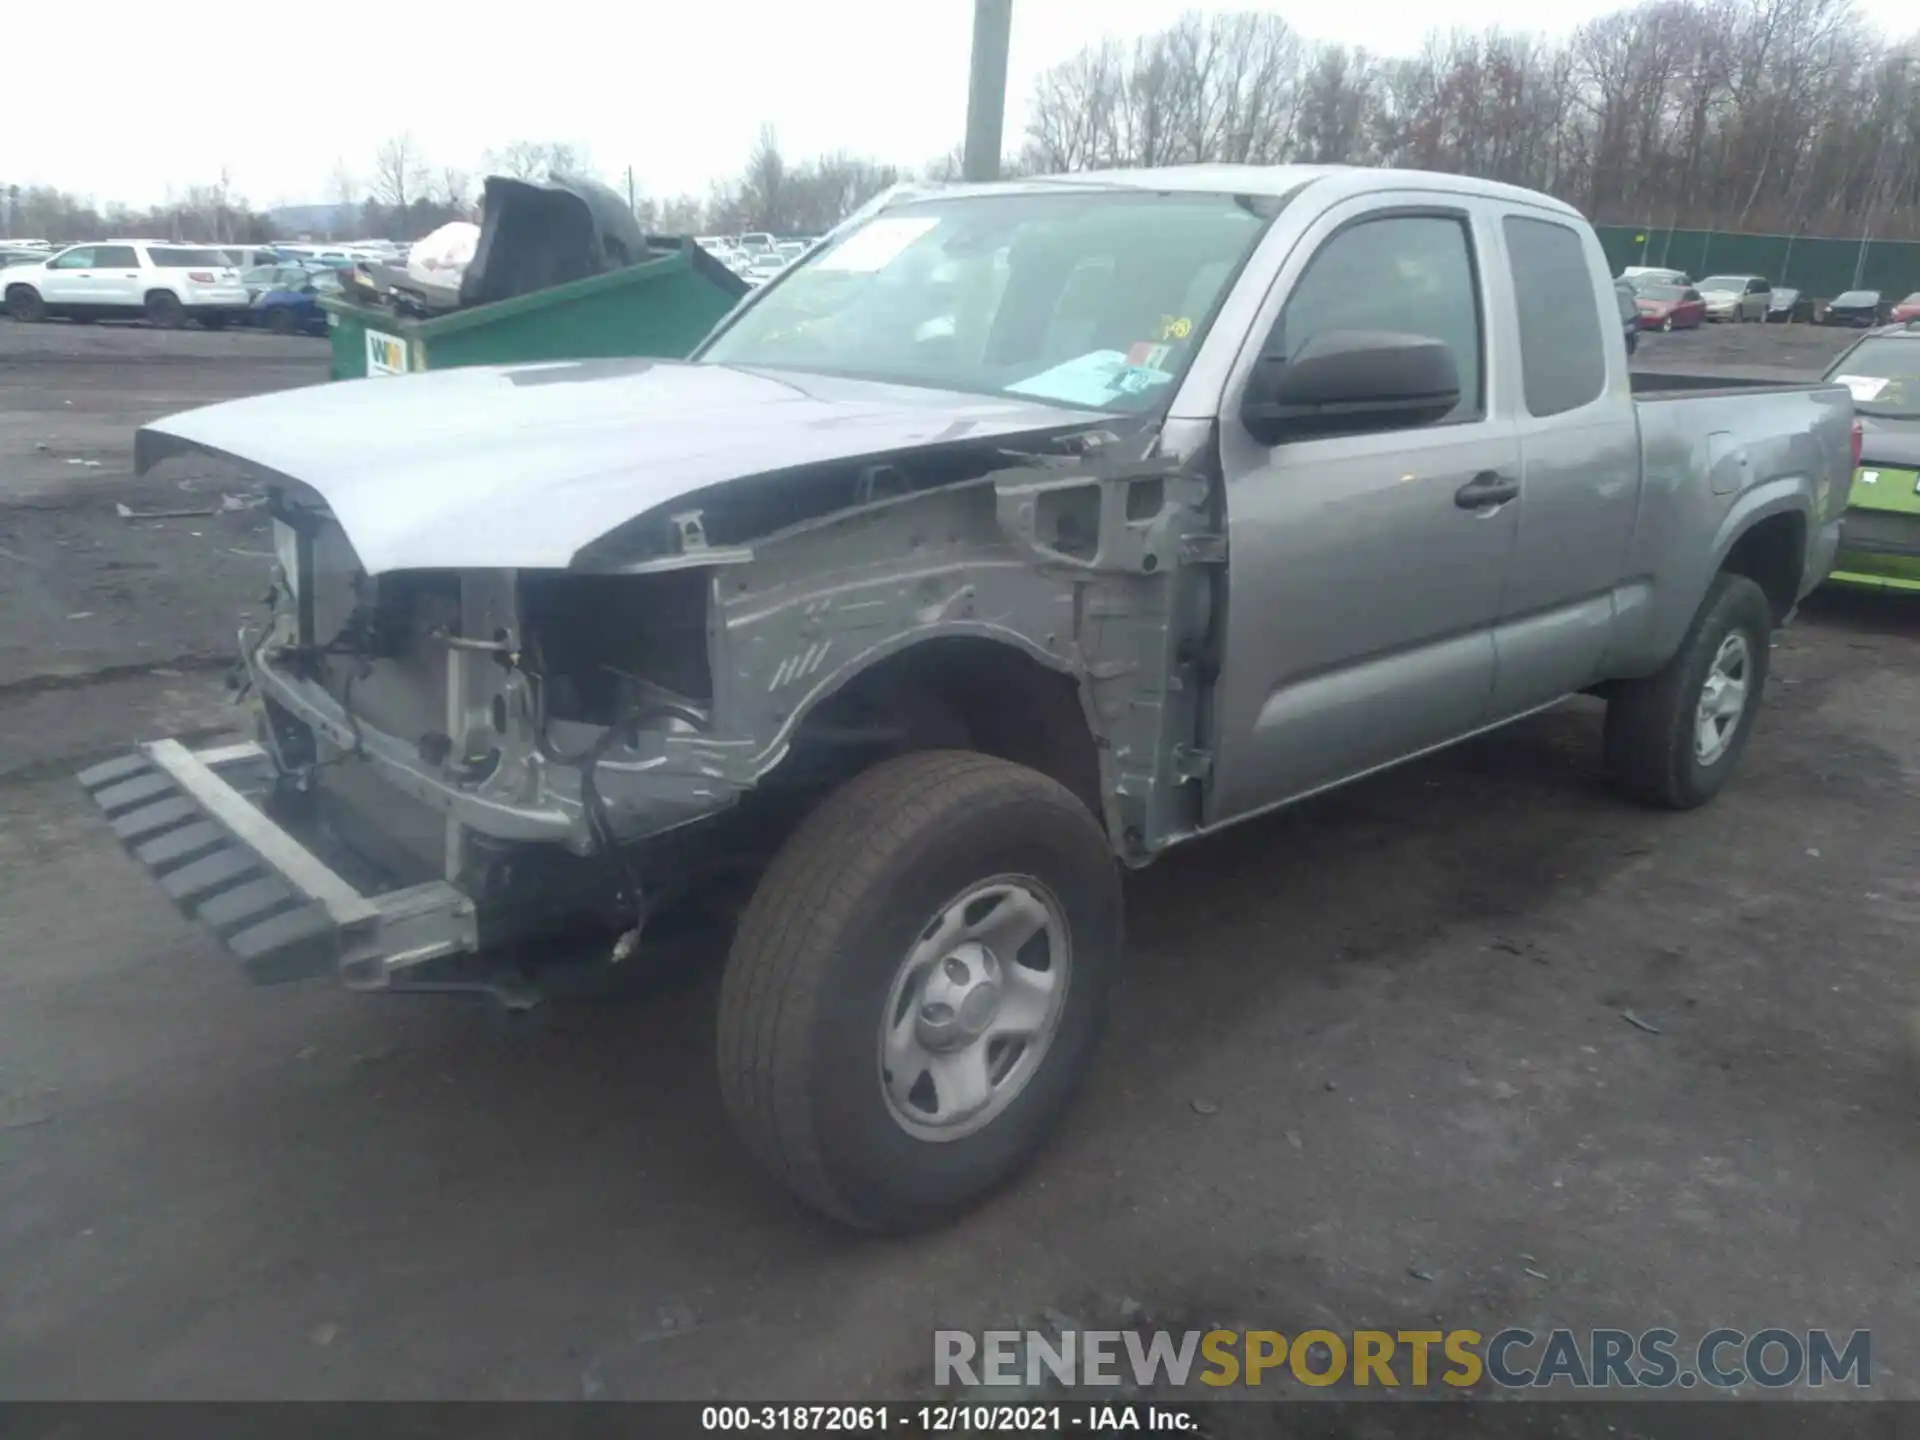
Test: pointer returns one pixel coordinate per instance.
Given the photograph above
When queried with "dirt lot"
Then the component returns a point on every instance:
(1401, 1010)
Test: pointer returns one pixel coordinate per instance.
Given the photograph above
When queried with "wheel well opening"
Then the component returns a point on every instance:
(1772, 555)
(964, 693)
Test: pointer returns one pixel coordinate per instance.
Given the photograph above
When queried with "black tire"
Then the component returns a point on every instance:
(1651, 723)
(215, 321)
(25, 305)
(164, 311)
(817, 953)
(281, 321)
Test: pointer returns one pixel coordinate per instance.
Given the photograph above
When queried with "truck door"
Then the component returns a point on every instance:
(1579, 462)
(1364, 570)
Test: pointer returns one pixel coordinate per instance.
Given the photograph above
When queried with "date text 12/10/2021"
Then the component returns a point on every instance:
(950, 1419)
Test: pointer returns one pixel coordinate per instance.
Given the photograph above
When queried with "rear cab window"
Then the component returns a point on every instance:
(1563, 364)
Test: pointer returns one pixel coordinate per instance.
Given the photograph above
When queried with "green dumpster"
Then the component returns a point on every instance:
(660, 308)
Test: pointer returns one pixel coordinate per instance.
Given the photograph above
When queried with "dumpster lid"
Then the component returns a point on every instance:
(535, 234)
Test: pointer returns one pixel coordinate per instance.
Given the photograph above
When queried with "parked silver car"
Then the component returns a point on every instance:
(1736, 297)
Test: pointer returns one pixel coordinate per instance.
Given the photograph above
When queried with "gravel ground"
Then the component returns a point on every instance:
(1373, 1067)
(1759, 352)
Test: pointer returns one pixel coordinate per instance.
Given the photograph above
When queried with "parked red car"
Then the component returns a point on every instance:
(1907, 309)
(1670, 307)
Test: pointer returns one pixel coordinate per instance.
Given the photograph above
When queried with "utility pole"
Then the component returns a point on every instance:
(987, 89)
(633, 207)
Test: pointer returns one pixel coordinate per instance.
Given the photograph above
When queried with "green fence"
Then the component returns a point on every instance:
(1821, 268)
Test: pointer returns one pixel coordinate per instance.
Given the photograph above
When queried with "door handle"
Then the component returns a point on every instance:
(1486, 489)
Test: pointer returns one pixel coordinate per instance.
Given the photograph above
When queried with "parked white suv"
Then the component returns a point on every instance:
(168, 284)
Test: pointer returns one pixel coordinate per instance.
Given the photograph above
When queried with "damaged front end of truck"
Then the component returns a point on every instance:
(458, 760)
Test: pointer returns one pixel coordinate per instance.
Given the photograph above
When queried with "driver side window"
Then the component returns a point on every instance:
(1413, 274)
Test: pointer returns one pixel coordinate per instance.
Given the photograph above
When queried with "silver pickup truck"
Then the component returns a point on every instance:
(1018, 534)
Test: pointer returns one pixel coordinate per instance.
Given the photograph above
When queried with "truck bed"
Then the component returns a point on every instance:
(1669, 384)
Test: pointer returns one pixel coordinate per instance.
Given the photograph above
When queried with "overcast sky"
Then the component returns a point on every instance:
(677, 91)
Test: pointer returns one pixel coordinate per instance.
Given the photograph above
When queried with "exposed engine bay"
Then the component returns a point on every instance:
(595, 744)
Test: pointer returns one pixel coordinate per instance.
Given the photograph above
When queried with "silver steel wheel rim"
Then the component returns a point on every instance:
(1723, 698)
(974, 1007)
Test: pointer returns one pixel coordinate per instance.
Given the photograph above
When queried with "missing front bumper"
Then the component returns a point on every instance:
(191, 818)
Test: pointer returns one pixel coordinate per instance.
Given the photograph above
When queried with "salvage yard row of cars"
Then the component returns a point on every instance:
(755, 258)
(169, 284)
(1001, 546)
(1668, 300)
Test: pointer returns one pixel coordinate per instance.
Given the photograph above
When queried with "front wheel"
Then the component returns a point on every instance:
(917, 987)
(1667, 324)
(24, 304)
(1673, 738)
(281, 321)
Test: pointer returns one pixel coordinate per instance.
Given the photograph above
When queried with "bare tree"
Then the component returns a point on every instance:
(1781, 114)
(456, 189)
(539, 159)
(763, 187)
(399, 172)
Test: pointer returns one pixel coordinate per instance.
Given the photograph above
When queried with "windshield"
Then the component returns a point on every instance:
(1663, 294)
(1723, 282)
(1858, 297)
(1095, 299)
(1884, 376)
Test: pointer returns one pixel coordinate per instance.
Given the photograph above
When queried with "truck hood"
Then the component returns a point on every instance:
(522, 466)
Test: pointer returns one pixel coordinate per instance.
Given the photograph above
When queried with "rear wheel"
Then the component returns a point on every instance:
(1673, 738)
(280, 320)
(24, 304)
(917, 985)
(165, 310)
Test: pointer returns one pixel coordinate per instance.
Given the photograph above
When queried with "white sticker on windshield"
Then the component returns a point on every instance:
(875, 245)
(1093, 379)
(1864, 387)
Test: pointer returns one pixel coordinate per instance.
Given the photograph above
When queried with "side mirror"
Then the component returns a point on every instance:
(1351, 382)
